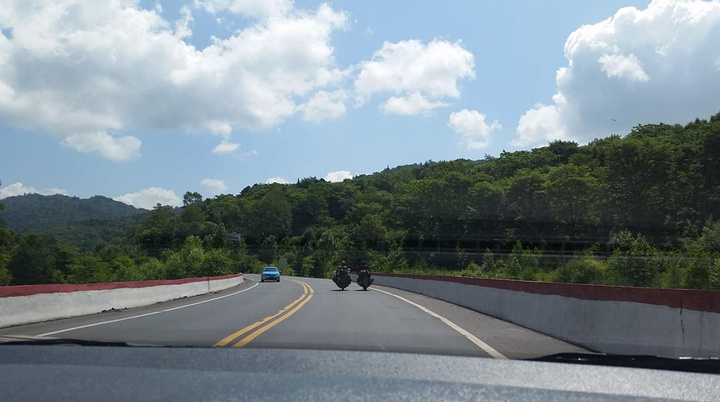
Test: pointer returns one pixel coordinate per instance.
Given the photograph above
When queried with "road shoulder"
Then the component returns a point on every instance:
(74, 322)
(513, 341)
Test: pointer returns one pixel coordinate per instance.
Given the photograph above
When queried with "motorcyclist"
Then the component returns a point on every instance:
(364, 275)
(342, 276)
(363, 267)
(343, 267)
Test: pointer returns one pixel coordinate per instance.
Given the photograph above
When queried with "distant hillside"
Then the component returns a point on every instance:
(86, 235)
(37, 212)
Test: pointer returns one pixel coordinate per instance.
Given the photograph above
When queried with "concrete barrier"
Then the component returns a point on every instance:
(610, 319)
(21, 305)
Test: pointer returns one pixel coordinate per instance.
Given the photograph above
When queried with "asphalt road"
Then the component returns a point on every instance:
(309, 314)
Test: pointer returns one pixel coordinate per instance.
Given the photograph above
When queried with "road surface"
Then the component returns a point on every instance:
(309, 314)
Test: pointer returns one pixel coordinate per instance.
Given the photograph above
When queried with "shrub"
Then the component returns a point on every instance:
(473, 270)
(633, 261)
(89, 268)
(152, 269)
(581, 270)
(125, 269)
(216, 262)
(674, 275)
(489, 263)
(188, 261)
(392, 261)
(698, 273)
(714, 278)
(5, 277)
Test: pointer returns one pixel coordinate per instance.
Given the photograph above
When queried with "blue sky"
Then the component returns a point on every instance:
(73, 122)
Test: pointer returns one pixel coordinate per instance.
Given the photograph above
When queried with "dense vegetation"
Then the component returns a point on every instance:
(86, 235)
(34, 211)
(638, 210)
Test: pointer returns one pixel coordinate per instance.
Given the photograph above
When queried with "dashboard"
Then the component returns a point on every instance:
(82, 373)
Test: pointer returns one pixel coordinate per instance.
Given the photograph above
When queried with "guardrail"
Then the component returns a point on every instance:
(28, 304)
(610, 319)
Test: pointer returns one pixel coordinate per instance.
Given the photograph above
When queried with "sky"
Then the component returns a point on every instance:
(142, 101)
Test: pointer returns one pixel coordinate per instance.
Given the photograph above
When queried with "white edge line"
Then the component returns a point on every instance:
(472, 338)
(146, 314)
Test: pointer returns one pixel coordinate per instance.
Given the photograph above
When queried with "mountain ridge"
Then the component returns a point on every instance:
(38, 212)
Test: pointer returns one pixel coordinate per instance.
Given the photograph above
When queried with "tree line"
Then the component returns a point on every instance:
(638, 210)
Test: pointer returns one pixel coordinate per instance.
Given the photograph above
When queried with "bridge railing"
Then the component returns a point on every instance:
(610, 319)
(28, 304)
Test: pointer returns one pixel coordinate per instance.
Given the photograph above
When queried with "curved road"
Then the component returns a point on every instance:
(310, 314)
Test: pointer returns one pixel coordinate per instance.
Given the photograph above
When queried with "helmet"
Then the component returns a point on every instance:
(343, 263)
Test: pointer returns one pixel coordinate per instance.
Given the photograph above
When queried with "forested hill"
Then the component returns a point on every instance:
(36, 212)
(641, 210)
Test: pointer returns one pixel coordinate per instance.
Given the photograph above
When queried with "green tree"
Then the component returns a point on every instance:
(710, 238)
(633, 261)
(192, 222)
(192, 198)
(187, 262)
(7, 239)
(152, 269)
(269, 215)
(63, 257)
(32, 261)
(126, 269)
(158, 229)
(88, 269)
(216, 262)
(582, 270)
(5, 277)
(269, 250)
(369, 233)
(324, 255)
(714, 276)
(637, 178)
(571, 191)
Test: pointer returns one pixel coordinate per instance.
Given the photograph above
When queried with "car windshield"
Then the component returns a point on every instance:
(498, 179)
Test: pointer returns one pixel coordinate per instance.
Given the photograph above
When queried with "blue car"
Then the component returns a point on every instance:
(270, 274)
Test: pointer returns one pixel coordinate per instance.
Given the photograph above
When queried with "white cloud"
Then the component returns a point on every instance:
(621, 66)
(75, 67)
(182, 26)
(414, 71)
(323, 106)
(471, 124)
(20, 189)
(226, 147)
(541, 123)
(639, 66)
(413, 104)
(252, 8)
(147, 198)
(113, 148)
(217, 186)
(340, 175)
(278, 180)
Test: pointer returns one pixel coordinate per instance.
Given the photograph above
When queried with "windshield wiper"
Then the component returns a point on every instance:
(28, 340)
(687, 364)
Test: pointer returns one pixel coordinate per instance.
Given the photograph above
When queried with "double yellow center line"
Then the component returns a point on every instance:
(266, 323)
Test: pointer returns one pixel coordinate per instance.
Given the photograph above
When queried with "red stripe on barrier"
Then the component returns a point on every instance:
(700, 300)
(27, 290)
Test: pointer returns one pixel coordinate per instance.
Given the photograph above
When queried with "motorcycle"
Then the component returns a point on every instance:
(342, 279)
(365, 279)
